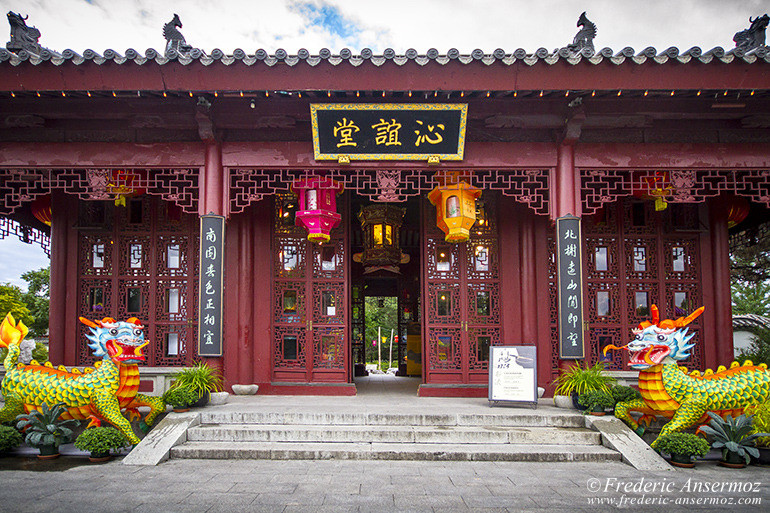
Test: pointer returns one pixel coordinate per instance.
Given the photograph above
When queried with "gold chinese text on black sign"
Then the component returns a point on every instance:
(388, 131)
(570, 272)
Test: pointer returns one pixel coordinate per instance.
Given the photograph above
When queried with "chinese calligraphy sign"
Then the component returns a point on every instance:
(211, 284)
(570, 271)
(388, 131)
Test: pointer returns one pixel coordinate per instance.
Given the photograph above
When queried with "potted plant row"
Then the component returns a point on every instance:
(45, 430)
(576, 381)
(683, 448)
(735, 437)
(597, 402)
(10, 438)
(100, 442)
(760, 414)
(180, 398)
(202, 379)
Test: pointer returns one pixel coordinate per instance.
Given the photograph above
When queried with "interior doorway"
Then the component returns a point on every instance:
(385, 308)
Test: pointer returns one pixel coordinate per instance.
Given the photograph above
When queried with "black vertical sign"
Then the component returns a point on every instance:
(569, 262)
(210, 286)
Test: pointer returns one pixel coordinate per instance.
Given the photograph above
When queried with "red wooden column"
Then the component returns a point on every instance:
(721, 352)
(565, 193)
(212, 201)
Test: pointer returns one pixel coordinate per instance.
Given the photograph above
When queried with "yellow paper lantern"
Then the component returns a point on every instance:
(455, 209)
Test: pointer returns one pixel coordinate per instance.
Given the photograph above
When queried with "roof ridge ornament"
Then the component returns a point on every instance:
(754, 36)
(24, 37)
(175, 41)
(584, 39)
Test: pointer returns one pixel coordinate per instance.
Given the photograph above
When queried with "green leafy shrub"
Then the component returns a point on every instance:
(760, 415)
(45, 428)
(622, 393)
(100, 440)
(201, 378)
(180, 396)
(10, 438)
(597, 400)
(685, 444)
(733, 435)
(40, 353)
(759, 349)
(581, 380)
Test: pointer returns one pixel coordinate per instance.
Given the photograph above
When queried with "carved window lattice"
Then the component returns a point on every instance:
(601, 186)
(475, 335)
(329, 348)
(279, 358)
(482, 298)
(528, 186)
(291, 258)
(600, 337)
(25, 234)
(164, 342)
(601, 258)
(482, 259)
(85, 353)
(335, 290)
(673, 309)
(641, 258)
(451, 295)
(173, 255)
(141, 293)
(284, 221)
(334, 268)
(22, 185)
(635, 316)
(95, 252)
(597, 291)
(445, 349)
(135, 216)
(446, 267)
(289, 301)
(134, 254)
(682, 251)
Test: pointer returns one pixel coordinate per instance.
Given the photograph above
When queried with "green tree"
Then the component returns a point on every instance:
(751, 298)
(37, 299)
(379, 312)
(12, 301)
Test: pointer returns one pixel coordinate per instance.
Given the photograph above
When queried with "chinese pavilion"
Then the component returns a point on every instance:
(126, 155)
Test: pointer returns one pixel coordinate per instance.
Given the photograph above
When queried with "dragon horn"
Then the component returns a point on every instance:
(134, 320)
(684, 321)
(655, 314)
(10, 332)
(88, 322)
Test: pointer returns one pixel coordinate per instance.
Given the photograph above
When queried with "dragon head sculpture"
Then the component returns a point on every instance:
(656, 340)
(120, 341)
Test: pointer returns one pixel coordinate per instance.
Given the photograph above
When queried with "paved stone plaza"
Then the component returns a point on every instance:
(376, 486)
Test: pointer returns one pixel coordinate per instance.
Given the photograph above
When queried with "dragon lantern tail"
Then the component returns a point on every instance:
(12, 333)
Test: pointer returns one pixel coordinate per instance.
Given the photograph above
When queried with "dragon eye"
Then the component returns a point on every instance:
(662, 338)
(137, 332)
(114, 331)
(639, 337)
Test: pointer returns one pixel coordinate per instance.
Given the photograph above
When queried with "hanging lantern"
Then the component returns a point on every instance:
(737, 208)
(317, 206)
(455, 209)
(124, 184)
(381, 224)
(656, 187)
(41, 209)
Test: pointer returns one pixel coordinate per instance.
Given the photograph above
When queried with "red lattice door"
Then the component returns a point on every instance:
(462, 300)
(309, 302)
(140, 261)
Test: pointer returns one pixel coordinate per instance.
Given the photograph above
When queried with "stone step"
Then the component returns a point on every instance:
(530, 419)
(386, 451)
(393, 434)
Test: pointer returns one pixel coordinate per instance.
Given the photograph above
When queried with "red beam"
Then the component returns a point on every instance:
(453, 76)
(744, 155)
(102, 154)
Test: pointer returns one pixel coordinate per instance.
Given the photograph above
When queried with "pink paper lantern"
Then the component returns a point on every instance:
(317, 206)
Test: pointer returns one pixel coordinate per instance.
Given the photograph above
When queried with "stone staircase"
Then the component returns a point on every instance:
(530, 436)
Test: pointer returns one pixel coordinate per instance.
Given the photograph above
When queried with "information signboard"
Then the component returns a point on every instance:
(388, 131)
(569, 261)
(212, 243)
(513, 374)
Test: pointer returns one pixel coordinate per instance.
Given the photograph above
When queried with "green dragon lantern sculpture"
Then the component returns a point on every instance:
(98, 393)
(670, 391)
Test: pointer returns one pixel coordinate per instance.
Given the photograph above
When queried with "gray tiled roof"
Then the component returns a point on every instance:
(750, 322)
(627, 54)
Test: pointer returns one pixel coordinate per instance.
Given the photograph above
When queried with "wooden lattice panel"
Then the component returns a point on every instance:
(279, 358)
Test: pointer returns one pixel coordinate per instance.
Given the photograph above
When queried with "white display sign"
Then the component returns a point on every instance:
(513, 374)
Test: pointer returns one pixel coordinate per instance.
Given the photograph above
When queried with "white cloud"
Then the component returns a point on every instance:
(400, 24)
(16, 258)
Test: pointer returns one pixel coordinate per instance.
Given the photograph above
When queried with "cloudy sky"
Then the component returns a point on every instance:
(358, 24)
